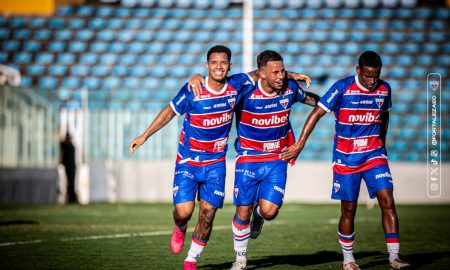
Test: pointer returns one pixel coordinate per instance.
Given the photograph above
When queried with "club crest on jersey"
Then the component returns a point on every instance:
(337, 186)
(232, 101)
(379, 102)
(236, 192)
(434, 85)
(284, 102)
(175, 191)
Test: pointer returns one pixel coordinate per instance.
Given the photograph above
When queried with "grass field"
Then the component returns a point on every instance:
(136, 236)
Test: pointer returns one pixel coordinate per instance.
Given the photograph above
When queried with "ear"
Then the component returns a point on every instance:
(206, 65)
(358, 70)
(262, 73)
(229, 67)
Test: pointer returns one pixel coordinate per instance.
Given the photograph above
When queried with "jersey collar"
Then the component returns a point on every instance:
(362, 87)
(221, 91)
(264, 92)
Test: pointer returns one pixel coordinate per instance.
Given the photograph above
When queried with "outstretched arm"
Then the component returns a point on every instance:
(160, 121)
(311, 99)
(294, 150)
(299, 77)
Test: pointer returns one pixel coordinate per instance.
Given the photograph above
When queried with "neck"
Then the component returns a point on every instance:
(215, 85)
(264, 86)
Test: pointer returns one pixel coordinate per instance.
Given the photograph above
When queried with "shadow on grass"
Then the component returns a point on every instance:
(18, 222)
(417, 260)
(295, 260)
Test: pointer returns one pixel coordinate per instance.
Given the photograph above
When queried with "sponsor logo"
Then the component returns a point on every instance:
(185, 174)
(366, 118)
(180, 100)
(207, 108)
(222, 119)
(274, 120)
(383, 175)
(246, 172)
(232, 101)
(277, 188)
(379, 102)
(271, 146)
(434, 85)
(332, 96)
(175, 191)
(284, 102)
(219, 193)
(274, 105)
(220, 145)
(219, 105)
(336, 186)
(360, 144)
(363, 102)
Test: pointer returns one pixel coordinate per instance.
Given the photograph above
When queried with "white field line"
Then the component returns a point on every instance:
(129, 235)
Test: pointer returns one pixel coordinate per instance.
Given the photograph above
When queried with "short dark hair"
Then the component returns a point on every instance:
(267, 56)
(369, 59)
(219, 49)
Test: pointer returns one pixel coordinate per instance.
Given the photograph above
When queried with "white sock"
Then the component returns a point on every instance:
(346, 242)
(241, 233)
(197, 246)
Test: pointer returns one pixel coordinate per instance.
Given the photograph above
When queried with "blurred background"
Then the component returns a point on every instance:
(102, 70)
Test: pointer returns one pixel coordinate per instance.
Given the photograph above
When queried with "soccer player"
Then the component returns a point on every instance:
(200, 164)
(361, 106)
(264, 130)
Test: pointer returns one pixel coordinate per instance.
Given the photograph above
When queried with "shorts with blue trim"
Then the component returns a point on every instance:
(208, 182)
(346, 186)
(260, 180)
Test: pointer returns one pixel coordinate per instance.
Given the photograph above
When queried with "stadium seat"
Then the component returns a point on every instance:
(66, 58)
(32, 46)
(56, 46)
(111, 82)
(44, 58)
(88, 58)
(77, 47)
(57, 70)
(75, 23)
(100, 70)
(80, 70)
(3, 57)
(47, 82)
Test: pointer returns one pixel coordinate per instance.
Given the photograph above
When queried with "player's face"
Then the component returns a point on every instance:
(218, 66)
(368, 76)
(274, 74)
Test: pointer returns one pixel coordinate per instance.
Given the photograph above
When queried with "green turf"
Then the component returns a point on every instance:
(302, 237)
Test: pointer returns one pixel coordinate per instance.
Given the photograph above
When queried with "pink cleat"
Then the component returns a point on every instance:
(190, 265)
(177, 241)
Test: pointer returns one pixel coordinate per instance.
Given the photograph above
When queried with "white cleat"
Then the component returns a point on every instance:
(239, 265)
(398, 264)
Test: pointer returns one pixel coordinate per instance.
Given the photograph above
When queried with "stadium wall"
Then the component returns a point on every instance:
(308, 182)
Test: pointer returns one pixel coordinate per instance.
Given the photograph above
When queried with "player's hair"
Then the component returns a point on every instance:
(267, 56)
(219, 49)
(369, 59)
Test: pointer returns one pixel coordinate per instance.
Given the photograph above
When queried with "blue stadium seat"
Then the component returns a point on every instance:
(105, 11)
(128, 59)
(64, 34)
(26, 81)
(3, 57)
(47, 82)
(362, 25)
(119, 70)
(84, 35)
(108, 58)
(405, 60)
(44, 58)
(88, 58)
(35, 70)
(65, 11)
(77, 47)
(56, 46)
(42, 34)
(139, 71)
(32, 46)
(85, 11)
(145, 36)
(55, 23)
(4, 33)
(66, 58)
(115, 23)
(80, 70)
(75, 23)
(37, 22)
(132, 83)
(319, 36)
(17, 22)
(150, 83)
(22, 34)
(111, 83)
(99, 47)
(92, 83)
(442, 13)
(100, 70)
(57, 70)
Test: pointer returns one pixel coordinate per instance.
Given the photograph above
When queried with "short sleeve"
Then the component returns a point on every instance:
(331, 100)
(388, 104)
(181, 102)
(299, 94)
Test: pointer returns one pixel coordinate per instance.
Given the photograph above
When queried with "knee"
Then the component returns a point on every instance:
(348, 211)
(269, 213)
(207, 216)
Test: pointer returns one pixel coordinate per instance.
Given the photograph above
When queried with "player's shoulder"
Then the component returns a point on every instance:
(240, 78)
(384, 84)
(344, 83)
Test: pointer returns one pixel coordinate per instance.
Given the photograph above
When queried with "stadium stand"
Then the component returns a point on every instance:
(147, 47)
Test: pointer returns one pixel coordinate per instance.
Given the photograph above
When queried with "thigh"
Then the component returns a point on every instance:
(346, 186)
(246, 183)
(184, 185)
(273, 182)
(212, 184)
(378, 178)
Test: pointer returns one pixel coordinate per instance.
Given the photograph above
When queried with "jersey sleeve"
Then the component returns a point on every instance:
(388, 104)
(331, 100)
(298, 91)
(182, 101)
(241, 81)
